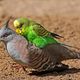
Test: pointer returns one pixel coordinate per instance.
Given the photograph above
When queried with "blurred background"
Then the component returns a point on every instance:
(60, 16)
(39, 7)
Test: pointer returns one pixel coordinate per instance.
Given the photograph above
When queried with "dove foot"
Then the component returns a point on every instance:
(16, 66)
(27, 70)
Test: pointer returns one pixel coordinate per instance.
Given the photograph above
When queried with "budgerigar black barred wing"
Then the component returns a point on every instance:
(41, 31)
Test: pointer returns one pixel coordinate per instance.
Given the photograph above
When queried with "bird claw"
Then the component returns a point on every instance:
(17, 66)
(28, 71)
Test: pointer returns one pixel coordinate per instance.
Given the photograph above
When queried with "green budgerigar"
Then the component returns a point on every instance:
(34, 32)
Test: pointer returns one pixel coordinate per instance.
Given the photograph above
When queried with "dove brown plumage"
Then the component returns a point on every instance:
(30, 56)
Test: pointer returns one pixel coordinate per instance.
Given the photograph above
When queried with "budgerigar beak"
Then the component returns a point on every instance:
(18, 31)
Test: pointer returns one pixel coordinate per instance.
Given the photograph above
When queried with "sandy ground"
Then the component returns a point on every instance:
(60, 16)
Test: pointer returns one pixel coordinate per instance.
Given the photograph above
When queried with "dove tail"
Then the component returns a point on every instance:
(74, 55)
(66, 52)
(69, 46)
(71, 52)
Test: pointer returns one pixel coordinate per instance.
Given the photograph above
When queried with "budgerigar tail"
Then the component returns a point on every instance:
(56, 35)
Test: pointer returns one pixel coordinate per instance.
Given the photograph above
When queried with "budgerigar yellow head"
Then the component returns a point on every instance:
(19, 22)
(16, 24)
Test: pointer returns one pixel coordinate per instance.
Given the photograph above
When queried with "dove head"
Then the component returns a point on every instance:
(6, 34)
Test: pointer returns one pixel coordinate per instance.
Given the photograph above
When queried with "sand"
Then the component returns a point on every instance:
(60, 16)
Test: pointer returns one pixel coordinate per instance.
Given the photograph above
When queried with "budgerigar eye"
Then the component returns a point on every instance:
(20, 26)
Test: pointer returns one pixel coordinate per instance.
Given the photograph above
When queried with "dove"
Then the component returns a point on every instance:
(29, 56)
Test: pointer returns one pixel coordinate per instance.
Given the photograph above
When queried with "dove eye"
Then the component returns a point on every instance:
(6, 34)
